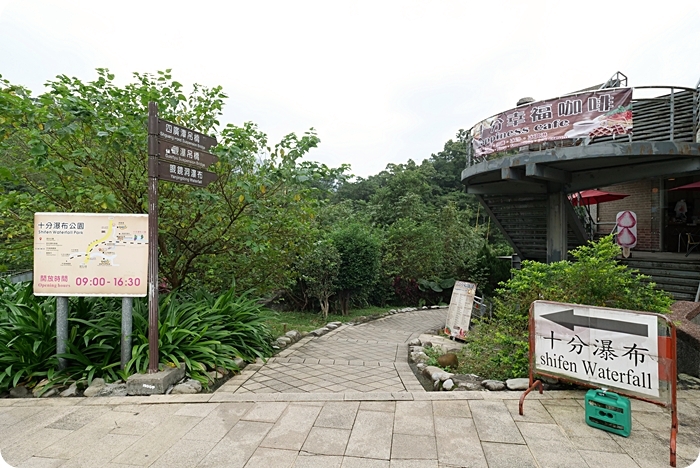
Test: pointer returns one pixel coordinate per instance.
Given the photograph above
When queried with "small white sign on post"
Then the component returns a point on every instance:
(460, 312)
(610, 348)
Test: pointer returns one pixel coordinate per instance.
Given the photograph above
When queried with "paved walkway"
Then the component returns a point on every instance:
(255, 421)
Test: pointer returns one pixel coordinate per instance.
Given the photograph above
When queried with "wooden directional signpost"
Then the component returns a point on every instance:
(175, 154)
(632, 353)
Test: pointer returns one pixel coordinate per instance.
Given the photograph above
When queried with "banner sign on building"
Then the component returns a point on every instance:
(610, 348)
(460, 311)
(582, 115)
(90, 254)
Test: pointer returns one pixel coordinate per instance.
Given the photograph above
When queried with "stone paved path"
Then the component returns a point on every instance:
(372, 357)
(296, 427)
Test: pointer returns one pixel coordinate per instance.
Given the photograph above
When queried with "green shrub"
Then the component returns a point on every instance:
(498, 347)
(200, 330)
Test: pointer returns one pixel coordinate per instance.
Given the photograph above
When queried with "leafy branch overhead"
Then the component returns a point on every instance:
(81, 147)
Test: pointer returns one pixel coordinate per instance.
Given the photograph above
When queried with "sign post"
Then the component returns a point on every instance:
(175, 154)
(632, 353)
(152, 237)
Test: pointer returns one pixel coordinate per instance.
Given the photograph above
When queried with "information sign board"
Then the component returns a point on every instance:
(460, 311)
(90, 254)
(184, 174)
(179, 154)
(175, 133)
(609, 348)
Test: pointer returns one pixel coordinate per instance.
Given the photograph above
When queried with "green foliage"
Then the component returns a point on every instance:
(319, 270)
(201, 330)
(81, 147)
(360, 255)
(498, 348)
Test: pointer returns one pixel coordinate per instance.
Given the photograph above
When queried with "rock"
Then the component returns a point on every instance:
(549, 380)
(240, 363)
(448, 384)
(39, 387)
(95, 387)
(293, 335)
(446, 375)
(70, 391)
(331, 326)
(467, 381)
(154, 384)
(421, 366)
(113, 389)
(493, 385)
(284, 339)
(417, 349)
(49, 393)
(214, 375)
(518, 384)
(319, 332)
(427, 344)
(222, 371)
(188, 387)
(337, 324)
(419, 357)
(414, 342)
(448, 360)
(430, 370)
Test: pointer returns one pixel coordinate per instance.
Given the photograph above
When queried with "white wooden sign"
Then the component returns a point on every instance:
(610, 348)
(460, 312)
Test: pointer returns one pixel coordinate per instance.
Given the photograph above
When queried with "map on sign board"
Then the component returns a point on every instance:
(460, 311)
(90, 254)
(610, 348)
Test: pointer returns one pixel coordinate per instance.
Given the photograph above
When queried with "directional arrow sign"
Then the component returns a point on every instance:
(567, 318)
(184, 175)
(177, 153)
(174, 133)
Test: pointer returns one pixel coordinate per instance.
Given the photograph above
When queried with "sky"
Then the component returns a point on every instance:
(381, 81)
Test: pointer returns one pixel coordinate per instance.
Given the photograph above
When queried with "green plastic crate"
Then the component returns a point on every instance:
(609, 411)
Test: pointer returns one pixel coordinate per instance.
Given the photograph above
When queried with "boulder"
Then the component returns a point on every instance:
(188, 387)
(96, 386)
(20, 391)
(448, 385)
(70, 391)
(493, 385)
(414, 342)
(518, 384)
(293, 335)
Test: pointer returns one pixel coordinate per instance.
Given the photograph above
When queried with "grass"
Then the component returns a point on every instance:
(307, 321)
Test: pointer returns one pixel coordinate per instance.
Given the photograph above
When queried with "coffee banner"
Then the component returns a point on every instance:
(591, 114)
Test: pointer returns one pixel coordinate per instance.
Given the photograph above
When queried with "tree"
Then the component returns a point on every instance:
(320, 269)
(360, 256)
(81, 147)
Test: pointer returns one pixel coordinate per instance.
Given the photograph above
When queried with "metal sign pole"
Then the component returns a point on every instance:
(153, 355)
(61, 329)
(127, 321)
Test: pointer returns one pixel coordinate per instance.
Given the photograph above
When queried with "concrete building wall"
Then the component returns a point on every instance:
(645, 200)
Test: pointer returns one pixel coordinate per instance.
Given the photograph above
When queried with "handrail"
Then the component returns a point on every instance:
(671, 98)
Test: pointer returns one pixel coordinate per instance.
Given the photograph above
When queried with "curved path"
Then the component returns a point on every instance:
(371, 357)
(344, 400)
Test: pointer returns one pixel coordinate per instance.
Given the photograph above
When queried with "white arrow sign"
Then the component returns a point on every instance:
(610, 348)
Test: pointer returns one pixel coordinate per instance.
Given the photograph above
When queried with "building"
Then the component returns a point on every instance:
(526, 164)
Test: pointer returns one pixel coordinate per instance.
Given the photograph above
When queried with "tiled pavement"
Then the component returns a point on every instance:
(337, 429)
(372, 357)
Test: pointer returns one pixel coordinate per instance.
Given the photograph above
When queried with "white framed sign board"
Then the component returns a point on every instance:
(460, 311)
(609, 348)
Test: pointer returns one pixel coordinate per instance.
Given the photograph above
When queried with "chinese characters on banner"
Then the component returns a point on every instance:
(90, 254)
(610, 348)
(592, 114)
(460, 311)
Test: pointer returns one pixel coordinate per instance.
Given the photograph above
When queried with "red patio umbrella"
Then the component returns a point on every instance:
(593, 197)
(693, 186)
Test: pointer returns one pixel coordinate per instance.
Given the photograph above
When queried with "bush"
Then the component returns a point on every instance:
(498, 347)
(200, 330)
